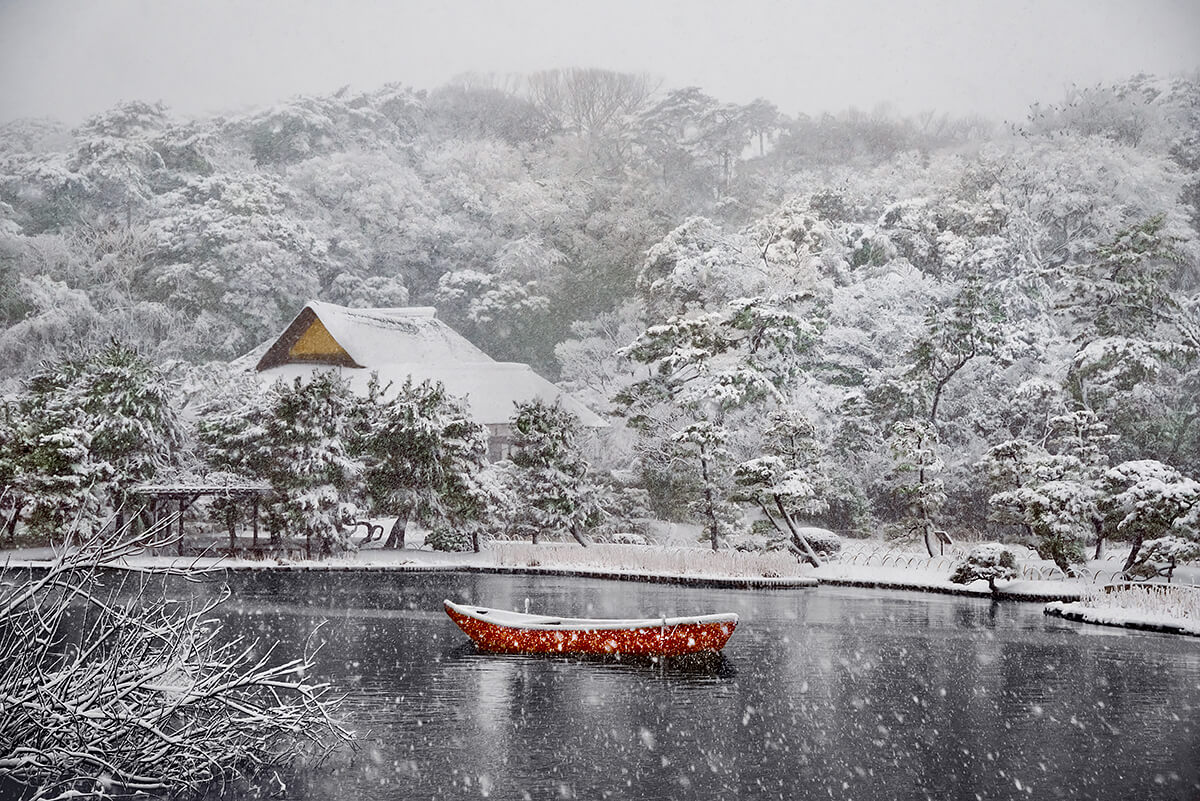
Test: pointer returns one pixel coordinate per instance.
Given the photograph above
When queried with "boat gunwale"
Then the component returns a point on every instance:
(529, 622)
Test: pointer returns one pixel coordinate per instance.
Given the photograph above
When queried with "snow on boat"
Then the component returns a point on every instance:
(515, 633)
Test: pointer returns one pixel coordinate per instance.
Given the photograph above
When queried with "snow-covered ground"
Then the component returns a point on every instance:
(1157, 607)
(934, 580)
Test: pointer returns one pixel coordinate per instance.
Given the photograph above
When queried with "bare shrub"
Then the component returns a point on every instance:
(112, 691)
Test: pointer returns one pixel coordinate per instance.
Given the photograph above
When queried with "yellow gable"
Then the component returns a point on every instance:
(316, 344)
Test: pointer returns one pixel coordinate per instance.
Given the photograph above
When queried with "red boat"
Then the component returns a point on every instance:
(515, 633)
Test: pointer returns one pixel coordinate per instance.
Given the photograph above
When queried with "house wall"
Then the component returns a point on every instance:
(499, 441)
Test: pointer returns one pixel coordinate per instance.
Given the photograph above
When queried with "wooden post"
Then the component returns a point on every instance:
(232, 538)
(179, 544)
(254, 517)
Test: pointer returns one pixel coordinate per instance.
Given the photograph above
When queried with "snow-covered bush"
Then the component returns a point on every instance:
(989, 561)
(448, 538)
(822, 540)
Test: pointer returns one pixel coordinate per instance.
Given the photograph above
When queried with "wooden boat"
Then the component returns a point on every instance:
(515, 633)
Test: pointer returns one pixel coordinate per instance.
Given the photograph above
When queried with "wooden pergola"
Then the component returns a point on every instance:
(185, 495)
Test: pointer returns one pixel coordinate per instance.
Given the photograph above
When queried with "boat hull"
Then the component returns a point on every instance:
(512, 633)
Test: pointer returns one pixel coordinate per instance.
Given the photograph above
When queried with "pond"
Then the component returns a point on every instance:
(821, 693)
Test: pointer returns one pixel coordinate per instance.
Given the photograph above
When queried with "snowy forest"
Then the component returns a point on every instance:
(897, 326)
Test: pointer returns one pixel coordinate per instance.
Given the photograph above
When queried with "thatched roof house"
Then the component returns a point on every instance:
(403, 342)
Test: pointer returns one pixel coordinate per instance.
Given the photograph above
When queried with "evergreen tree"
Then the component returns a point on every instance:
(549, 474)
(82, 434)
(424, 455)
(705, 367)
(788, 480)
(1051, 489)
(1146, 500)
(298, 438)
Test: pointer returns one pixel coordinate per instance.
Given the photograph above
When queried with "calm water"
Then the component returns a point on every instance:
(825, 693)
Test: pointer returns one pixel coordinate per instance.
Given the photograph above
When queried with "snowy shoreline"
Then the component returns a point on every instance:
(1067, 598)
(699, 575)
(1121, 618)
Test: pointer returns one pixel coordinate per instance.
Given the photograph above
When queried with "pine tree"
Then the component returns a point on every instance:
(423, 457)
(708, 366)
(548, 472)
(82, 433)
(788, 479)
(297, 437)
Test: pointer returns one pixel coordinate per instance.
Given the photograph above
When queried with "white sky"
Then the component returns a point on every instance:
(71, 58)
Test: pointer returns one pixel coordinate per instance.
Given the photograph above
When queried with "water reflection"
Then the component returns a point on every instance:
(714, 665)
(849, 694)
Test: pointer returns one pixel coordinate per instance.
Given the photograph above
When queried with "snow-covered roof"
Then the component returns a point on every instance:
(491, 389)
(373, 337)
(397, 344)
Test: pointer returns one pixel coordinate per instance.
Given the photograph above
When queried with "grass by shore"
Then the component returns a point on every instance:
(1171, 608)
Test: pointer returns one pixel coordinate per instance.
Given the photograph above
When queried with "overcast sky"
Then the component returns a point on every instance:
(71, 58)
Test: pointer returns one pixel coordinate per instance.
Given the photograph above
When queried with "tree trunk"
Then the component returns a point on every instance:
(1098, 526)
(926, 523)
(1131, 560)
(10, 528)
(709, 510)
(396, 535)
(578, 537)
(800, 541)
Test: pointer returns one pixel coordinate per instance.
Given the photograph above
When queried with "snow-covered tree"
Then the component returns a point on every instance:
(710, 365)
(990, 561)
(82, 433)
(1052, 488)
(1145, 499)
(298, 437)
(232, 253)
(914, 446)
(788, 480)
(424, 455)
(1160, 556)
(117, 160)
(548, 474)
(110, 691)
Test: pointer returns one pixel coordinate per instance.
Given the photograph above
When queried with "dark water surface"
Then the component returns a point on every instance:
(821, 693)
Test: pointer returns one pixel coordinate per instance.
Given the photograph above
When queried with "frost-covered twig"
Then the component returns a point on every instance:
(114, 692)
